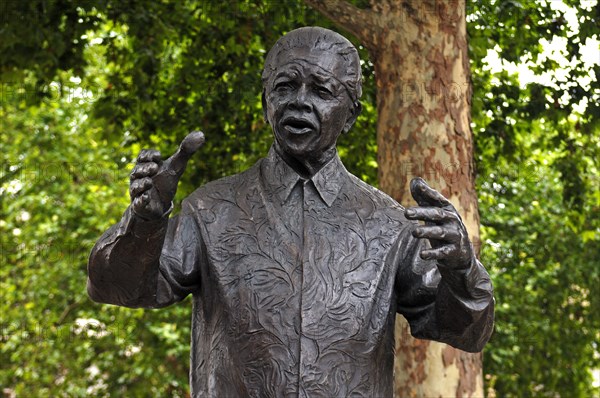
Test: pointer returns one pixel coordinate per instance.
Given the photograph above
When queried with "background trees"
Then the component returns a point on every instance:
(537, 155)
(85, 86)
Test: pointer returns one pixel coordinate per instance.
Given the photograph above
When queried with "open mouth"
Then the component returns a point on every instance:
(298, 126)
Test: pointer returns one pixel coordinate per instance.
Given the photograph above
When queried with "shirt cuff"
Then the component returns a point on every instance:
(144, 228)
(164, 215)
(462, 281)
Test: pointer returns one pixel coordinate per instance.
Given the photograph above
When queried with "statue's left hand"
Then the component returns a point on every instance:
(444, 228)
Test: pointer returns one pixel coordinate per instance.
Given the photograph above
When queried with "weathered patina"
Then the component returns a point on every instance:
(297, 268)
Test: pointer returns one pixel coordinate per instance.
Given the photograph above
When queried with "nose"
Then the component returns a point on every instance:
(300, 100)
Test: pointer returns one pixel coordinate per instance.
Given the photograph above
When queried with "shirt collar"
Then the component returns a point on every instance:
(280, 178)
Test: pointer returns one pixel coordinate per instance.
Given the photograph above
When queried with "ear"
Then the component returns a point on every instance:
(264, 106)
(354, 112)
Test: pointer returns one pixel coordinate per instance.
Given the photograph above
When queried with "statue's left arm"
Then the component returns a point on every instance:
(442, 289)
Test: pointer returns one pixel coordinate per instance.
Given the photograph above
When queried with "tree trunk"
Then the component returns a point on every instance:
(419, 49)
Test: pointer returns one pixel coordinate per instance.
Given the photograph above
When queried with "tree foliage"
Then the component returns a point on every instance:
(537, 154)
(85, 85)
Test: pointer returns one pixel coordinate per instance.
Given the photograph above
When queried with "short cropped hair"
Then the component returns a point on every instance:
(324, 40)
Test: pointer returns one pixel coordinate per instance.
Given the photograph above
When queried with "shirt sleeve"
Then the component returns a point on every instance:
(149, 264)
(450, 306)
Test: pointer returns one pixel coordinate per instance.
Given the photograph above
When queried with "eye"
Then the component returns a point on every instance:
(284, 86)
(324, 92)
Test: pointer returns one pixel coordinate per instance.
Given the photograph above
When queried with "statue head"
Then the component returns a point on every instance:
(311, 90)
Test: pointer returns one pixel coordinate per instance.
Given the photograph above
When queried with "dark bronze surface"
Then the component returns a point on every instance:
(297, 267)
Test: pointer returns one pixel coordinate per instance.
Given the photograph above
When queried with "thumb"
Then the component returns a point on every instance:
(191, 143)
(424, 195)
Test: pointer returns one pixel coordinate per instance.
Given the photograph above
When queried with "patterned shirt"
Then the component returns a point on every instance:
(296, 283)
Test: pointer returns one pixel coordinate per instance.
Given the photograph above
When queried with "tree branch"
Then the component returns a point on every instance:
(65, 312)
(355, 20)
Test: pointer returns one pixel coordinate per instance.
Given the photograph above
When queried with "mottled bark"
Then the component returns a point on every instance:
(419, 49)
(359, 22)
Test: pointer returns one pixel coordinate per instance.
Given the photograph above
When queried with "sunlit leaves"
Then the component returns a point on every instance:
(537, 158)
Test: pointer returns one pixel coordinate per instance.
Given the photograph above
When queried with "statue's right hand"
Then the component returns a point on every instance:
(153, 183)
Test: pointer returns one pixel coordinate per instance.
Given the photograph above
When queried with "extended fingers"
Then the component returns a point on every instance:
(438, 233)
(440, 253)
(430, 214)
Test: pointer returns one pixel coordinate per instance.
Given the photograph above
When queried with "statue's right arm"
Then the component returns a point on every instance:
(147, 259)
(150, 264)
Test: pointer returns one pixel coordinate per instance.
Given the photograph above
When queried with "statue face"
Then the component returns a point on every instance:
(306, 105)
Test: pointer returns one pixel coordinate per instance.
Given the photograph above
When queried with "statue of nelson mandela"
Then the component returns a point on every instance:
(297, 268)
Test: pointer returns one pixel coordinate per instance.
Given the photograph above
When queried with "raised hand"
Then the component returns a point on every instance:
(153, 183)
(443, 227)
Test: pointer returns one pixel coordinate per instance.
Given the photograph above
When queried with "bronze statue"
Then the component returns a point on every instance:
(297, 268)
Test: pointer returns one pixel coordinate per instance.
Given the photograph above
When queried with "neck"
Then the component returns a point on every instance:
(306, 166)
